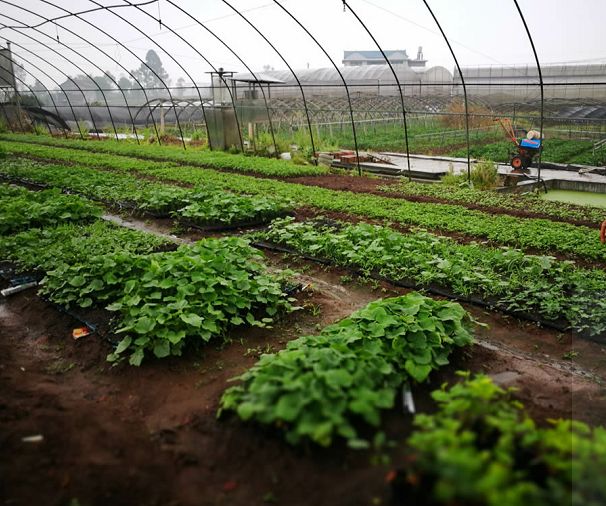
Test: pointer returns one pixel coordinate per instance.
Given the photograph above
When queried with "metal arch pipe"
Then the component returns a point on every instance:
(153, 109)
(33, 94)
(233, 103)
(70, 14)
(195, 20)
(89, 61)
(77, 16)
(34, 27)
(184, 70)
(101, 70)
(38, 100)
(77, 66)
(65, 58)
(353, 123)
(345, 4)
(311, 135)
(536, 58)
(149, 110)
(66, 75)
(69, 103)
(108, 9)
(464, 87)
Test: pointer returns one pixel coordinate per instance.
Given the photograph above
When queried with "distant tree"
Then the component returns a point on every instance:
(179, 92)
(106, 83)
(75, 87)
(124, 83)
(41, 92)
(152, 74)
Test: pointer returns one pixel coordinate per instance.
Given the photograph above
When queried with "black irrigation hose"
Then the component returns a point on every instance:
(558, 325)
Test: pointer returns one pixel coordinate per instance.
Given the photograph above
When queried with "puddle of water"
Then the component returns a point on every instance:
(5, 312)
(576, 197)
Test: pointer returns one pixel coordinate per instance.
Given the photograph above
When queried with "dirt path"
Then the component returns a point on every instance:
(149, 435)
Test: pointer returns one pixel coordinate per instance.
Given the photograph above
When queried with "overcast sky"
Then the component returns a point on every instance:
(482, 32)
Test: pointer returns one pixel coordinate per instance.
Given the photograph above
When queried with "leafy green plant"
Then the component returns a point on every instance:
(540, 234)
(21, 209)
(46, 249)
(480, 447)
(325, 386)
(101, 279)
(484, 176)
(195, 294)
(228, 208)
(504, 277)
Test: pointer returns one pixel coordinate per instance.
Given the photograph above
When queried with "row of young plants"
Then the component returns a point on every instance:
(529, 202)
(481, 447)
(338, 383)
(201, 206)
(21, 209)
(163, 300)
(555, 290)
(40, 250)
(540, 234)
(193, 156)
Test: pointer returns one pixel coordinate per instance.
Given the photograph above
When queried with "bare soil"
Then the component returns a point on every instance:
(149, 435)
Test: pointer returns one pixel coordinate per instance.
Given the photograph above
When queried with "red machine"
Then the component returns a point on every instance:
(526, 149)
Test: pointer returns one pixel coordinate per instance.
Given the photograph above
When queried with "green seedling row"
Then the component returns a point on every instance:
(21, 209)
(539, 234)
(508, 278)
(44, 249)
(328, 386)
(528, 202)
(193, 156)
(481, 447)
(208, 206)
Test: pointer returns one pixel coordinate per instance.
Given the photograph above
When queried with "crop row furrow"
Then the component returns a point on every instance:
(201, 206)
(506, 278)
(197, 157)
(540, 234)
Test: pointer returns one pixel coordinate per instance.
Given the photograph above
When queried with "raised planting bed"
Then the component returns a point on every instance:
(323, 387)
(490, 199)
(538, 234)
(481, 447)
(540, 288)
(202, 207)
(21, 209)
(164, 301)
(196, 157)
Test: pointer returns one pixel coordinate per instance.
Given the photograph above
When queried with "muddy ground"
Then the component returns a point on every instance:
(149, 435)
